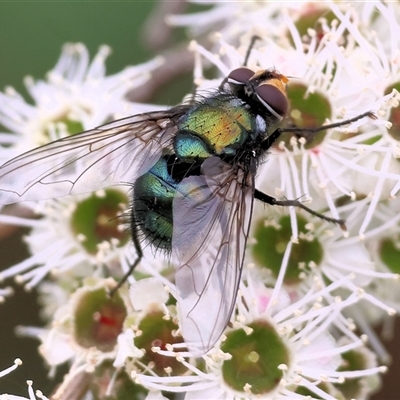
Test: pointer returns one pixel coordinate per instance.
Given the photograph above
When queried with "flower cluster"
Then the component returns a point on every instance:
(307, 289)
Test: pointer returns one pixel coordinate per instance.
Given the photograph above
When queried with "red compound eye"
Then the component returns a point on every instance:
(240, 75)
(271, 96)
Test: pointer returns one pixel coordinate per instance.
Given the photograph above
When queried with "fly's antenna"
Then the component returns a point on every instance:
(251, 45)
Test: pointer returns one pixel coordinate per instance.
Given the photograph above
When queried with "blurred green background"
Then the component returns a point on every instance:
(32, 34)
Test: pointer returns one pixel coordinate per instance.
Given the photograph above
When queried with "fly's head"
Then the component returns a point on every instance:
(265, 89)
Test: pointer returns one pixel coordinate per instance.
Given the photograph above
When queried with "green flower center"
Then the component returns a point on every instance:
(96, 220)
(156, 331)
(271, 243)
(353, 360)
(99, 319)
(389, 253)
(307, 110)
(256, 358)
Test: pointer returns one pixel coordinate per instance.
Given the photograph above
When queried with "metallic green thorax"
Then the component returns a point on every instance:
(216, 127)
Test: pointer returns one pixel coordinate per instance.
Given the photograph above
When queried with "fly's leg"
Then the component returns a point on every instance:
(139, 255)
(271, 139)
(309, 133)
(265, 198)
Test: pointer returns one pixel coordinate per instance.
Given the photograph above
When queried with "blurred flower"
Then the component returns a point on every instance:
(77, 95)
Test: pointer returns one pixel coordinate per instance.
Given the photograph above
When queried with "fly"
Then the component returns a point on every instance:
(193, 171)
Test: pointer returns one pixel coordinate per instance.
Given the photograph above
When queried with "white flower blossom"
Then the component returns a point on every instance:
(57, 244)
(313, 354)
(77, 95)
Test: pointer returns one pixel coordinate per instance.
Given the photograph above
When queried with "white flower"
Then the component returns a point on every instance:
(76, 96)
(84, 329)
(292, 344)
(60, 243)
(318, 248)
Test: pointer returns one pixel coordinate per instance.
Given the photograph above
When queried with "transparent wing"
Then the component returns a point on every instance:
(213, 213)
(117, 152)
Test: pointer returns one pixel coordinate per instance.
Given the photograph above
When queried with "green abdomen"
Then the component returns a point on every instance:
(153, 194)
